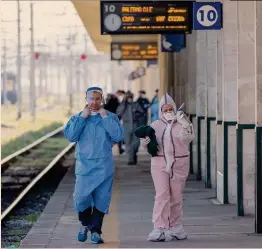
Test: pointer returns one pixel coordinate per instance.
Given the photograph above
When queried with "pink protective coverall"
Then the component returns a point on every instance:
(173, 142)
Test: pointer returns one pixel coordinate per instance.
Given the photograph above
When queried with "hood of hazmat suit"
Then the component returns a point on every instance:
(166, 99)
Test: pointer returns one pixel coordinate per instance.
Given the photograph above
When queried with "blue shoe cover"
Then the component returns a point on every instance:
(96, 238)
(82, 235)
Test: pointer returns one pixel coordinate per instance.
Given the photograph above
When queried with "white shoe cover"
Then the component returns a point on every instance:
(168, 235)
(178, 232)
(158, 235)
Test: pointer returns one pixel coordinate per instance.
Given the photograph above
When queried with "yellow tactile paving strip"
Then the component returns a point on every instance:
(111, 222)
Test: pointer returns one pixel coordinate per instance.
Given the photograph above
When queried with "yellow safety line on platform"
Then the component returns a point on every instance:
(111, 223)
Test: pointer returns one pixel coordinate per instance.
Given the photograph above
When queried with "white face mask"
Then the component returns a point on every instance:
(121, 98)
(93, 113)
(169, 116)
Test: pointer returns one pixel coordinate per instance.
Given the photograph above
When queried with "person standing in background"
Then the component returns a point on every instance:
(120, 94)
(129, 112)
(112, 105)
(144, 103)
(154, 107)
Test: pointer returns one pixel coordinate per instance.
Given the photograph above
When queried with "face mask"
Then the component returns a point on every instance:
(169, 116)
(129, 100)
(93, 113)
(121, 98)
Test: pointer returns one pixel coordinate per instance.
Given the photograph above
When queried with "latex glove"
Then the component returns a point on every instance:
(145, 141)
(86, 112)
(102, 112)
(181, 119)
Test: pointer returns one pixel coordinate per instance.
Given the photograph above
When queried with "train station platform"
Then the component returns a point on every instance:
(130, 219)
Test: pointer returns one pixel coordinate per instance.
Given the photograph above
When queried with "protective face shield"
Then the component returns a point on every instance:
(94, 102)
(95, 99)
(169, 116)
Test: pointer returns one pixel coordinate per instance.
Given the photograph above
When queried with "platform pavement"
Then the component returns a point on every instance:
(130, 218)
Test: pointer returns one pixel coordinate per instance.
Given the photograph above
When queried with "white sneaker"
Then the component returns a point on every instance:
(160, 234)
(178, 232)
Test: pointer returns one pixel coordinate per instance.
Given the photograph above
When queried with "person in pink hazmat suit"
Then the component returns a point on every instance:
(169, 170)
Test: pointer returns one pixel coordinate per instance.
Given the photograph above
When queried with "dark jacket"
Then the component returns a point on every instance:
(144, 103)
(123, 111)
(148, 131)
(112, 105)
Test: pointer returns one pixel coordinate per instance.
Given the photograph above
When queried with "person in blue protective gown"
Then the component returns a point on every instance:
(154, 107)
(94, 130)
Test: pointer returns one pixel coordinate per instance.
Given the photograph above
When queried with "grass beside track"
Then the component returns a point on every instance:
(26, 139)
(41, 156)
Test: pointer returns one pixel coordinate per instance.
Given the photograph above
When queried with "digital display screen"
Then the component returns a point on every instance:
(148, 17)
(134, 51)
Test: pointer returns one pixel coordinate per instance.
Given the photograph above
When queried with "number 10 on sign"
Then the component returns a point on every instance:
(207, 16)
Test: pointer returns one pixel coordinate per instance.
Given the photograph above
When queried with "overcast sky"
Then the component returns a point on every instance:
(51, 19)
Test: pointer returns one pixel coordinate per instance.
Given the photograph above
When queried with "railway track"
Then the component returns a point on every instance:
(29, 178)
(7, 160)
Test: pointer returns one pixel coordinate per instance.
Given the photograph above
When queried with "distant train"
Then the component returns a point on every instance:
(9, 87)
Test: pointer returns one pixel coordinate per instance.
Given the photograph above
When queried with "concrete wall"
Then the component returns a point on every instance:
(232, 165)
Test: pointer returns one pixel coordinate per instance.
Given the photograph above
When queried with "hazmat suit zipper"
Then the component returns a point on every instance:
(163, 143)
(174, 151)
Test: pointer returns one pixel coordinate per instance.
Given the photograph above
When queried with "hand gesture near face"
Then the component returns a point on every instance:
(181, 118)
(86, 112)
(102, 112)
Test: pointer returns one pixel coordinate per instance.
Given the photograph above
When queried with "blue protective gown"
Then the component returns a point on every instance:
(154, 109)
(94, 158)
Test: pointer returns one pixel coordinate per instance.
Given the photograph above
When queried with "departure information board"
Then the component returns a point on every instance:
(146, 17)
(134, 51)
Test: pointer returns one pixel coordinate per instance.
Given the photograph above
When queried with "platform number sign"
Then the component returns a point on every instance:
(207, 16)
